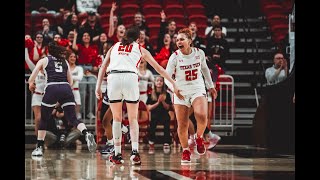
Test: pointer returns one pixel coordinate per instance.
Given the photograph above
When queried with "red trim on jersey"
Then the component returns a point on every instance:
(140, 49)
(38, 93)
(138, 62)
(197, 49)
(143, 92)
(140, 57)
(176, 52)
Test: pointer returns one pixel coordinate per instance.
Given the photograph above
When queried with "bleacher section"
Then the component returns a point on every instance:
(252, 37)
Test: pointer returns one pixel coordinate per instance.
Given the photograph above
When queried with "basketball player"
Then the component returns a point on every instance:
(121, 63)
(38, 92)
(188, 63)
(57, 89)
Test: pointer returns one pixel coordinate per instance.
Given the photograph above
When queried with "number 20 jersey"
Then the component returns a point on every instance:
(187, 70)
(125, 58)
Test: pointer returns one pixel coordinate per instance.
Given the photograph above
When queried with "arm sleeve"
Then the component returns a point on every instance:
(205, 71)
(171, 66)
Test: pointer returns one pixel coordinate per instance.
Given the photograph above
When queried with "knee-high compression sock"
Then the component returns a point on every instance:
(117, 136)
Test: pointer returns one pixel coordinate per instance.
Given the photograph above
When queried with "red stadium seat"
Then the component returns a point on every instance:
(199, 19)
(195, 10)
(104, 19)
(59, 19)
(277, 19)
(151, 9)
(174, 9)
(269, 9)
(179, 19)
(105, 8)
(131, 9)
(37, 18)
(154, 29)
(153, 19)
(171, 2)
(201, 29)
(27, 29)
(192, 2)
(27, 18)
(127, 19)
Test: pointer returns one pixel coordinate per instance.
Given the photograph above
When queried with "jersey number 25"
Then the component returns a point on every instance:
(191, 75)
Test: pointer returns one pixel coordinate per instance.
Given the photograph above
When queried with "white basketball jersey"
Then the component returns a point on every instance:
(125, 58)
(144, 80)
(40, 82)
(187, 70)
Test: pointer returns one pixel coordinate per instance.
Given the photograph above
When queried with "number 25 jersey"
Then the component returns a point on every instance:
(187, 70)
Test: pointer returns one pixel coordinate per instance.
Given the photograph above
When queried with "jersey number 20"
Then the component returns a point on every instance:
(125, 48)
(191, 75)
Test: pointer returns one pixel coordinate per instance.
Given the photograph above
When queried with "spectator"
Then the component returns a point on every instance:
(77, 75)
(215, 22)
(91, 26)
(104, 45)
(159, 103)
(144, 43)
(164, 51)
(217, 52)
(145, 76)
(89, 60)
(166, 28)
(70, 24)
(38, 50)
(47, 31)
(117, 34)
(279, 71)
(57, 90)
(138, 21)
(37, 95)
(196, 40)
(70, 38)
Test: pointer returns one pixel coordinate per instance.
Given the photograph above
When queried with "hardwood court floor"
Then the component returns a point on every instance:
(224, 162)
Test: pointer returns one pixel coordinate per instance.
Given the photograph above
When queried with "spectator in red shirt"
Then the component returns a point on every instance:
(89, 60)
(165, 51)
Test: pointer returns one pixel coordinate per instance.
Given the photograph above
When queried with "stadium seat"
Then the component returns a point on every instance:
(153, 19)
(199, 19)
(129, 9)
(174, 9)
(37, 18)
(195, 10)
(149, 9)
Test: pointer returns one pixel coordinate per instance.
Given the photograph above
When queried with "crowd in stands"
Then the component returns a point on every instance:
(88, 28)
